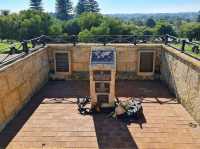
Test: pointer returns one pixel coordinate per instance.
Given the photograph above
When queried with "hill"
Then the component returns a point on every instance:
(157, 16)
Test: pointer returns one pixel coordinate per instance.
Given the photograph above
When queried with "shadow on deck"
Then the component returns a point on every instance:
(69, 126)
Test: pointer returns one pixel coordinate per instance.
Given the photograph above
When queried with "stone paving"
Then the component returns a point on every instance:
(51, 121)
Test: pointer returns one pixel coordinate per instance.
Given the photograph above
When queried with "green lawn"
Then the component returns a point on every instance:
(188, 49)
(4, 46)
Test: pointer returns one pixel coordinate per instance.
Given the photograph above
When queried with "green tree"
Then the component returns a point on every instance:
(72, 27)
(36, 5)
(9, 26)
(190, 30)
(115, 26)
(82, 6)
(33, 23)
(111, 26)
(64, 9)
(196, 32)
(148, 31)
(89, 20)
(198, 18)
(93, 6)
(5, 12)
(139, 23)
(164, 28)
(55, 29)
(150, 23)
(85, 35)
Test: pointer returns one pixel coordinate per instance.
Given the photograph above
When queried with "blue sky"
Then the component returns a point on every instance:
(117, 6)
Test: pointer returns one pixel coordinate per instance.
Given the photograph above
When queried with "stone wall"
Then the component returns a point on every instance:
(127, 58)
(19, 81)
(182, 75)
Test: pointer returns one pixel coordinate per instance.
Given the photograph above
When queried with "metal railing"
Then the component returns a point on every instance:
(187, 47)
(106, 39)
(28, 46)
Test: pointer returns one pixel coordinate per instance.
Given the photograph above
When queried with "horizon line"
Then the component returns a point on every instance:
(128, 13)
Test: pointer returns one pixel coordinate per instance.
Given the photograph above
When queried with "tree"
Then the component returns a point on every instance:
(82, 7)
(198, 18)
(148, 32)
(93, 6)
(191, 30)
(64, 9)
(150, 23)
(163, 29)
(36, 5)
(8, 27)
(85, 35)
(71, 27)
(89, 20)
(25, 25)
(55, 28)
(5, 12)
(139, 23)
(111, 26)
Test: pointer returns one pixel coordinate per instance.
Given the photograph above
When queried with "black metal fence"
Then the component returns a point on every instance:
(106, 39)
(28, 46)
(187, 47)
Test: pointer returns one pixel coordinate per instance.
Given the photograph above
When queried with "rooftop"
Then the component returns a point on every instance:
(39, 111)
(51, 120)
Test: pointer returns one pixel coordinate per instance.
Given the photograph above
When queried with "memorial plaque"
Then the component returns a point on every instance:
(103, 57)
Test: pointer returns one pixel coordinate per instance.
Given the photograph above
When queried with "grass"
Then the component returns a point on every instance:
(4, 46)
(188, 49)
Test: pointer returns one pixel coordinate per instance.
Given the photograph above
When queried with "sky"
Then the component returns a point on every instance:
(116, 6)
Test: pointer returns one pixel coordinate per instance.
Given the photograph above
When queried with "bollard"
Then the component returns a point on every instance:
(33, 42)
(42, 40)
(135, 40)
(13, 50)
(74, 40)
(166, 39)
(183, 46)
(104, 40)
(25, 46)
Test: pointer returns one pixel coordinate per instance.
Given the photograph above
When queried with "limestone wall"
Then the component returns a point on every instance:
(19, 81)
(182, 74)
(127, 58)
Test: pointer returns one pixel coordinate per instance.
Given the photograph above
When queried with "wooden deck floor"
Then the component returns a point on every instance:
(51, 120)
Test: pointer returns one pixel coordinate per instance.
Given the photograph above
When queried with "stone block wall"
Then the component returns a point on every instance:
(127, 58)
(19, 81)
(182, 75)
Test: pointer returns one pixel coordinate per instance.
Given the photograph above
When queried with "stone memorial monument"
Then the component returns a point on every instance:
(102, 76)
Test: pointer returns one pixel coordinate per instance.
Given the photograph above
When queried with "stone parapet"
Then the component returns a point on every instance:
(182, 75)
(127, 57)
(19, 81)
